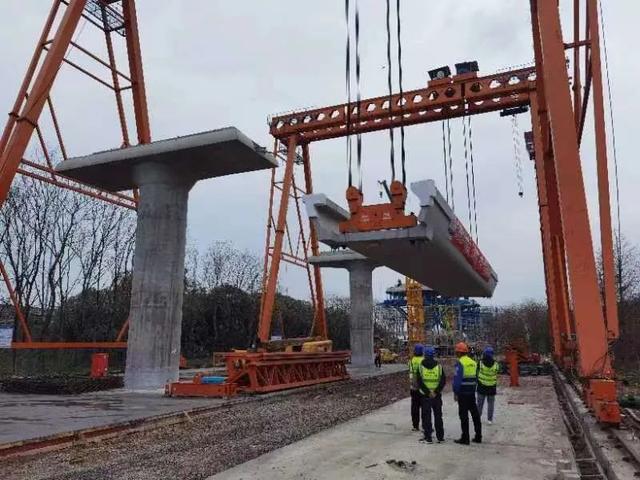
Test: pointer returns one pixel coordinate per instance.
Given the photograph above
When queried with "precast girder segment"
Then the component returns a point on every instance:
(437, 252)
(451, 97)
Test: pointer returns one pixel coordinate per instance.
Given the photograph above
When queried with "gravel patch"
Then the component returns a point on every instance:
(230, 436)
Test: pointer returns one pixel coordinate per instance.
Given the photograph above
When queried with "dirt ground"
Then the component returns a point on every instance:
(230, 436)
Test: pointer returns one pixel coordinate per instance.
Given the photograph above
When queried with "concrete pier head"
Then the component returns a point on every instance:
(164, 173)
(361, 301)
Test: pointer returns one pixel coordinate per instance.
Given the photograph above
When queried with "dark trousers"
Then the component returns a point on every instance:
(467, 405)
(378, 361)
(415, 408)
(432, 405)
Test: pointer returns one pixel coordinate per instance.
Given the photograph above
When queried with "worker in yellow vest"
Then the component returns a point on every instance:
(488, 370)
(464, 391)
(431, 381)
(414, 365)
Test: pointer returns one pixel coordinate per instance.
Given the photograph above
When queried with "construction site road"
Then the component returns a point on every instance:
(210, 444)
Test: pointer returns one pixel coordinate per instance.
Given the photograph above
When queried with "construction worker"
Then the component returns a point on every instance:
(378, 357)
(488, 370)
(414, 365)
(431, 381)
(464, 391)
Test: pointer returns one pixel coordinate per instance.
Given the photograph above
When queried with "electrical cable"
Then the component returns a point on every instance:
(403, 152)
(614, 145)
(473, 180)
(515, 133)
(390, 87)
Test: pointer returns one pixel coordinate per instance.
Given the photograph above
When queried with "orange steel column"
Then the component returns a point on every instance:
(28, 117)
(557, 265)
(606, 236)
(15, 111)
(264, 326)
(267, 243)
(577, 84)
(545, 232)
(321, 328)
(514, 373)
(136, 71)
(591, 333)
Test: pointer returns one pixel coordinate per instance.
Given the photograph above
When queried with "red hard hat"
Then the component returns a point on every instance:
(462, 348)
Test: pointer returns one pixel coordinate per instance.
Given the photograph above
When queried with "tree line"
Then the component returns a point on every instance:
(70, 259)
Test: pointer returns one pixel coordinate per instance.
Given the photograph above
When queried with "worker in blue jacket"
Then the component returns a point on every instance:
(431, 381)
(464, 390)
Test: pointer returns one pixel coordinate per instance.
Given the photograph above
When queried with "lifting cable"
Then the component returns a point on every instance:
(466, 168)
(390, 86)
(453, 202)
(348, 87)
(358, 99)
(614, 146)
(444, 160)
(473, 180)
(403, 154)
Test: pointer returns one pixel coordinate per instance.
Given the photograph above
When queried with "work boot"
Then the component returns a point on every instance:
(462, 441)
(477, 439)
(427, 439)
(440, 440)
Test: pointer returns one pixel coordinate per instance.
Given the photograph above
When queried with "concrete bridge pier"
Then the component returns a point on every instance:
(155, 330)
(360, 271)
(164, 172)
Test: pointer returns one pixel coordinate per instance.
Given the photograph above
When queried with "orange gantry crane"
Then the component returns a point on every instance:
(583, 319)
(117, 22)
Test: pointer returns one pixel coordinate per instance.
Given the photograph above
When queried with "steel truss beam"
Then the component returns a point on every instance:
(450, 98)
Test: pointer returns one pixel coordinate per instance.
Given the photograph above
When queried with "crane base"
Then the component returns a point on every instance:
(269, 372)
(601, 398)
(265, 372)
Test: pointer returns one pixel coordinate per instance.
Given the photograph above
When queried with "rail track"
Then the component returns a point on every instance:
(630, 423)
(591, 461)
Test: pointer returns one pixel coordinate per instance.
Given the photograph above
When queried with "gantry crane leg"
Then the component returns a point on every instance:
(555, 104)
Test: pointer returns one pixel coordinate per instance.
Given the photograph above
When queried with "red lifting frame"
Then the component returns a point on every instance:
(582, 321)
(35, 94)
(268, 372)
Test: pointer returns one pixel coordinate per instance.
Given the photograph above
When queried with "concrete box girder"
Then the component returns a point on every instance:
(424, 252)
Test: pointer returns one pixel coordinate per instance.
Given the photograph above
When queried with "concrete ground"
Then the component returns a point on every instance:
(27, 416)
(525, 442)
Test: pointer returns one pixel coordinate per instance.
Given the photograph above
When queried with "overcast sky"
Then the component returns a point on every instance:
(214, 63)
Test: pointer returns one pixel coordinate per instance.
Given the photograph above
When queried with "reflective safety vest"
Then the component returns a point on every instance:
(430, 377)
(488, 376)
(414, 366)
(469, 369)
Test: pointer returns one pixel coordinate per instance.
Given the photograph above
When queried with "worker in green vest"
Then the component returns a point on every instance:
(488, 370)
(414, 365)
(464, 391)
(431, 382)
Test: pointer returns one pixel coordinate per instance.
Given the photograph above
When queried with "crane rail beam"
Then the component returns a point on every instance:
(440, 100)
